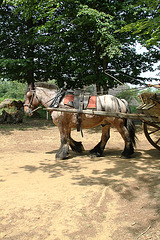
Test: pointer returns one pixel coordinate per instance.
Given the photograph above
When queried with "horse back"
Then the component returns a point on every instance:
(76, 101)
(111, 103)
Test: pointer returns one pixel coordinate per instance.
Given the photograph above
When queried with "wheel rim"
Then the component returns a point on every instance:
(152, 133)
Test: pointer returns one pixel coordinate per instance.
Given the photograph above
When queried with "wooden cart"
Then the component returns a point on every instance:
(151, 107)
(148, 112)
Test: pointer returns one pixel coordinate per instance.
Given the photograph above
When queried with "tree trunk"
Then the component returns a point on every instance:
(105, 88)
(30, 52)
(98, 85)
(98, 88)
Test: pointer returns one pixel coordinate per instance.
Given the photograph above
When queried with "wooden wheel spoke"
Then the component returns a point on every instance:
(154, 131)
(152, 134)
(157, 141)
(154, 125)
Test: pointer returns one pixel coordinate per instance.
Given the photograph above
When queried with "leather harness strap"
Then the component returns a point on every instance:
(57, 99)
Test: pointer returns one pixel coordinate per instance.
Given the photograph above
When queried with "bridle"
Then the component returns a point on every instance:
(29, 105)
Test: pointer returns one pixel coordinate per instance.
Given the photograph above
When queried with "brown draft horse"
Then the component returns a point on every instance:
(44, 94)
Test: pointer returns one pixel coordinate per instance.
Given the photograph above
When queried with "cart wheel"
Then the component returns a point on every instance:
(152, 133)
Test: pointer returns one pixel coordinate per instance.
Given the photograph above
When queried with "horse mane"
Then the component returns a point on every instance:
(46, 85)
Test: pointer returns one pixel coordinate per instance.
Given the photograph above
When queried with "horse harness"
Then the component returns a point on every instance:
(80, 102)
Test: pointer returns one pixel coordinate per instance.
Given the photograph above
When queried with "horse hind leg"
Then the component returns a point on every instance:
(130, 142)
(128, 150)
(99, 148)
(127, 131)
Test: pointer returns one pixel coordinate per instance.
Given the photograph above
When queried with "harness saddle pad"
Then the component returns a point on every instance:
(69, 100)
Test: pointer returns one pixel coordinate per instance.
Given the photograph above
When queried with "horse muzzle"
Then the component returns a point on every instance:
(28, 111)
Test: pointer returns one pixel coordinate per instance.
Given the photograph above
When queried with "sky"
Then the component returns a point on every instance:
(148, 74)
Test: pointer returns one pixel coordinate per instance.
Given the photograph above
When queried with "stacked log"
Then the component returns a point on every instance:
(16, 116)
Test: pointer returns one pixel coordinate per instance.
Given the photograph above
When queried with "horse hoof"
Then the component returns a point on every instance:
(92, 156)
(62, 153)
(77, 146)
(61, 156)
(125, 156)
(95, 154)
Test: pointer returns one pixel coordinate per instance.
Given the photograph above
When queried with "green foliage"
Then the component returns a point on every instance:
(147, 28)
(129, 94)
(71, 41)
(103, 25)
(150, 89)
(13, 90)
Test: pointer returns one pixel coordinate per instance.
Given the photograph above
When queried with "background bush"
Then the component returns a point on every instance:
(13, 90)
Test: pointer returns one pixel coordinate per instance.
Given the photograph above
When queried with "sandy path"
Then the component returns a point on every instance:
(105, 198)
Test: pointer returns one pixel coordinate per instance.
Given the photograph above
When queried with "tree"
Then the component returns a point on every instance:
(71, 41)
(86, 37)
(147, 28)
(93, 45)
(23, 48)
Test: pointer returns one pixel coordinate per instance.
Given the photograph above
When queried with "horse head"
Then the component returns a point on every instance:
(31, 100)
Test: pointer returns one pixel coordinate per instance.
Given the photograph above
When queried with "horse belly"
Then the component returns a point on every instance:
(71, 120)
(90, 121)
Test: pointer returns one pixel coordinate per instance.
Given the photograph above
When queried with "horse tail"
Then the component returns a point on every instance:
(129, 124)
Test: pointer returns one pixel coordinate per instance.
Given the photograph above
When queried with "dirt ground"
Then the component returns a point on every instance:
(107, 198)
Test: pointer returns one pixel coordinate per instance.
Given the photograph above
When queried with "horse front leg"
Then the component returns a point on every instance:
(63, 151)
(75, 146)
(99, 148)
